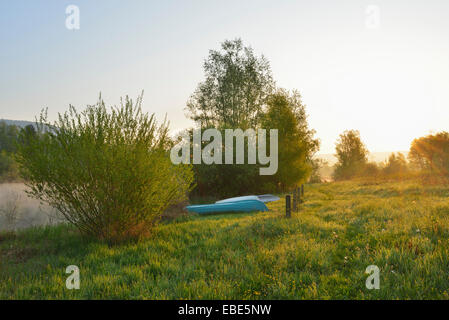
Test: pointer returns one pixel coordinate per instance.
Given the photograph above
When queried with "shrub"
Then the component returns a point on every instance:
(396, 166)
(108, 172)
(371, 169)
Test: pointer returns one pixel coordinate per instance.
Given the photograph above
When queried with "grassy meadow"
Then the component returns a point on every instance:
(320, 253)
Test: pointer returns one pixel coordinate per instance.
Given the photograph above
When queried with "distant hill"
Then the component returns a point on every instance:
(19, 123)
(373, 156)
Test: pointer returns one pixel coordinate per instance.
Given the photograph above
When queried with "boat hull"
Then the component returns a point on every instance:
(238, 206)
(263, 198)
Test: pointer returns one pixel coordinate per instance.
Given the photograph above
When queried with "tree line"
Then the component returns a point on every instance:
(9, 135)
(428, 159)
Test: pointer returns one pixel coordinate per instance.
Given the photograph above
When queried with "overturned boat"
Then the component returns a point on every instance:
(236, 204)
(264, 198)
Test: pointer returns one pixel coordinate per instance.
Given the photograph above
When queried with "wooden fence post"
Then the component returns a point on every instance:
(295, 201)
(288, 211)
(298, 197)
(302, 190)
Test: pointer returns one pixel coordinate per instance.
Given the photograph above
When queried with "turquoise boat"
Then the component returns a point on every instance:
(263, 198)
(237, 206)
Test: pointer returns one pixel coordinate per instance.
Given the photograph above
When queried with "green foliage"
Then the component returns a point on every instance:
(235, 89)
(107, 172)
(351, 155)
(371, 169)
(296, 146)
(396, 166)
(295, 141)
(320, 253)
(8, 140)
(223, 180)
(317, 168)
(431, 154)
(232, 96)
(5, 162)
(239, 93)
(226, 180)
(8, 167)
(8, 137)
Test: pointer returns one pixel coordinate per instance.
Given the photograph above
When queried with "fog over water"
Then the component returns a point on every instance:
(19, 211)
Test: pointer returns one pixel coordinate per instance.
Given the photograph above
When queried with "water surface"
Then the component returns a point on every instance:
(19, 211)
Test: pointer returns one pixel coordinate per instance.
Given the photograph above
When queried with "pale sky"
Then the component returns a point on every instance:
(390, 79)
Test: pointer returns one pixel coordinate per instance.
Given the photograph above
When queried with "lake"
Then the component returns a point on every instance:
(19, 211)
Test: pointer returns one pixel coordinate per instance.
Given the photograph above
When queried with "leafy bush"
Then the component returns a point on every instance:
(371, 169)
(107, 172)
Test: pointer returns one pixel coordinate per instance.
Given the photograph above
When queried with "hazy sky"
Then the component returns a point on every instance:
(387, 77)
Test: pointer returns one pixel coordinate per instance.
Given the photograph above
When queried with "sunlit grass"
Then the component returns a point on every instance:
(320, 253)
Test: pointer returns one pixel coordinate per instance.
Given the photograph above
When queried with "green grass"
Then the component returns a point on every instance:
(320, 253)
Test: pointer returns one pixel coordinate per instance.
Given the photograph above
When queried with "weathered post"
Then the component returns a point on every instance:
(302, 190)
(288, 211)
(295, 201)
(298, 198)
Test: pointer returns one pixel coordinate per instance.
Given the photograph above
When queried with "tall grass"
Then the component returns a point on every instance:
(320, 253)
